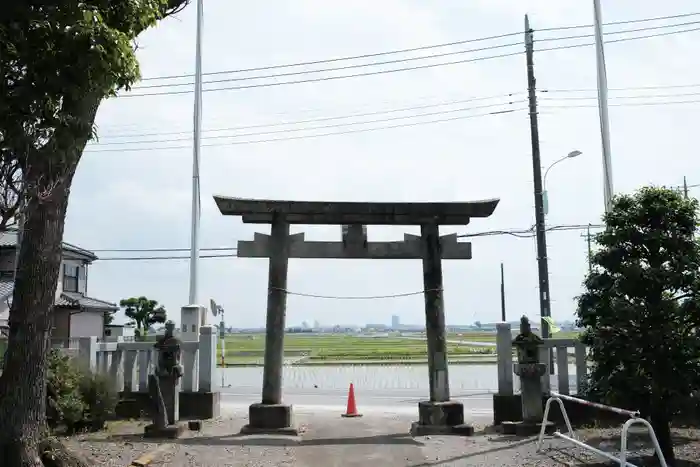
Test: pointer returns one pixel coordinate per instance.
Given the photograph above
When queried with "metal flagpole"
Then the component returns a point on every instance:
(603, 106)
(197, 131)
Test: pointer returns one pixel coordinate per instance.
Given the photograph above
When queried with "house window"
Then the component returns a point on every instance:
(70, 277)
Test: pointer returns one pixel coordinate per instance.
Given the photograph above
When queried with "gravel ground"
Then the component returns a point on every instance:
(383, 440)
(117, 446)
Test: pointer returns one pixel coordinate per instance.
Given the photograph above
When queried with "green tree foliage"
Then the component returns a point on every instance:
(143, 312)
(640, 309)
(58, 61)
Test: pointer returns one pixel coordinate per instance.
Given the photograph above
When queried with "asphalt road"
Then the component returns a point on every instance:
(476, 403)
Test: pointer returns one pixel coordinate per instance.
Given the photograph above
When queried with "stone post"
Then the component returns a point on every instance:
(530, 371)
(271, 416)
(439, 415)
(207, 359)
(87, 352)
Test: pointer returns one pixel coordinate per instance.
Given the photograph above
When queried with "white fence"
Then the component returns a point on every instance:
(567, 352)
(128, 364)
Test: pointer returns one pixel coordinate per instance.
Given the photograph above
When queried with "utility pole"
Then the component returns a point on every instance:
(503, 296)
(603, 105)
(542, 267)
(685, 187)
(590, 251)
(197, 137)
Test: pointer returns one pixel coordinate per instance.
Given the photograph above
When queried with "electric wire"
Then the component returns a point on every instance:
(318, 127)
(523, 233)
(408, 59)
(416, 49)
(626, 104)
(411, 68)
(324, 119)
(381, 112)
(649, 96)
(630, 88)
(555, 91)
(544, 108)
(326, 78)
(358, 297)
(615, 41)
(341, 68)
(319, 135)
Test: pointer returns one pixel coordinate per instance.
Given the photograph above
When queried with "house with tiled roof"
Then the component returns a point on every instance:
(75, 314)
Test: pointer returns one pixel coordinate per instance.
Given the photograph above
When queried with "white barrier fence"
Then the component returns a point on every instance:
(128, 364)
(633, 420)
(567, 352)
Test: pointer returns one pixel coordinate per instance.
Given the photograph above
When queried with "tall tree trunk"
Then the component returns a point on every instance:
(23, 382)
(48, 175)
(661, 423)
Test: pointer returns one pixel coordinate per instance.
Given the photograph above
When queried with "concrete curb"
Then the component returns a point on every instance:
(149, 457)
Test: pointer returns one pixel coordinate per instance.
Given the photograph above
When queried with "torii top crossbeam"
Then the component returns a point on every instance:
(262, 211)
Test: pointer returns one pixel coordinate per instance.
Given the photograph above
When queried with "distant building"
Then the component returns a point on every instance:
(114, 331)
(395, 322)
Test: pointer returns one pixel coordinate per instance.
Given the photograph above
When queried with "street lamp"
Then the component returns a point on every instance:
(545, 198)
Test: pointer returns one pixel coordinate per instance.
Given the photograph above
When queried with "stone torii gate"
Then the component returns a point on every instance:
(437, 415)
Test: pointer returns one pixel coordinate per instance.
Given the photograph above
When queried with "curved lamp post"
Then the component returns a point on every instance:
(545, 198)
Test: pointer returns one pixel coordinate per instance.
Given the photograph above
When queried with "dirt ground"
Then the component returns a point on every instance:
(381, 439)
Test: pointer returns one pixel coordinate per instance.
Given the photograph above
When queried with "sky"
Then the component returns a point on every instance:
(133, 186)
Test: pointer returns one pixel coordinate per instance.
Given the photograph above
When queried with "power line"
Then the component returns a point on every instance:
(341, 68)
(522, 233)
(416, 49)
(625, 31)
(320, 135)
(323, 119)
(617, 23)
(339, 59)
(649, 96)
(623, 39)
(153, 258)
(363, 130)
(358, 297)
(328, 78)
(371, 112)
(626, 104)
(378, 112)
(320, 127)
(154, 250)
(631, 88)
(412, 68)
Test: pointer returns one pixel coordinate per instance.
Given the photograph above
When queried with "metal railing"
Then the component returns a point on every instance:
(634, 419)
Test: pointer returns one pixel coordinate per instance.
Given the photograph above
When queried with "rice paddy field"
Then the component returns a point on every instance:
(317, 349)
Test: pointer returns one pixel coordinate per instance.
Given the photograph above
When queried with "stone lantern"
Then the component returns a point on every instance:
(530, 370)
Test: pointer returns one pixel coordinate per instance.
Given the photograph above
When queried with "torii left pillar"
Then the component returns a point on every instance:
(271, 415)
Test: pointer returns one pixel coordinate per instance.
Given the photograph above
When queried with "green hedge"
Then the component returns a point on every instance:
(77, 399)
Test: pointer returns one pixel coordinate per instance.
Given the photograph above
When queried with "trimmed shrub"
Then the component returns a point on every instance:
(77, 399)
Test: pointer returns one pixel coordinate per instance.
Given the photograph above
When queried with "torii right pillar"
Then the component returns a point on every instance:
(439, 415)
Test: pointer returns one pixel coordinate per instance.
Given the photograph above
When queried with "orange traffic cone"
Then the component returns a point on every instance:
(351, 411)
